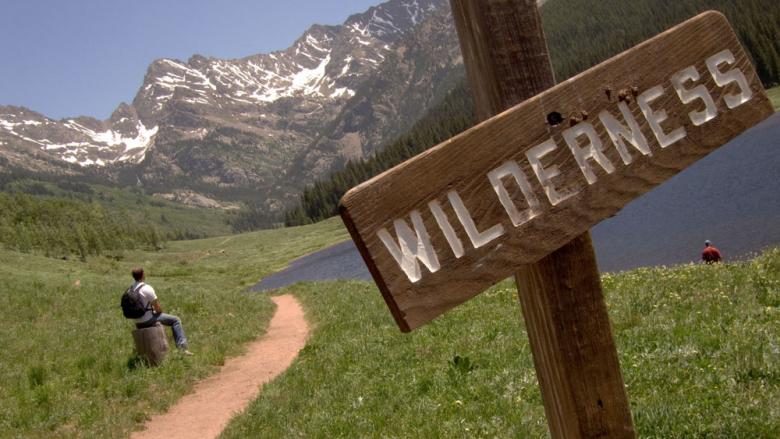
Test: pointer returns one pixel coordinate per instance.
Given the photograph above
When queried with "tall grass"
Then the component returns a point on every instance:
(699, 348)
(67, 367)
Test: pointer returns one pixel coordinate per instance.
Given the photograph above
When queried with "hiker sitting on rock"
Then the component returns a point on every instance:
(140, 298)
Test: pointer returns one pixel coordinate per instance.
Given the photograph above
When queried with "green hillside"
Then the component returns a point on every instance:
(172, 221)
(580, 34)
(61, 227)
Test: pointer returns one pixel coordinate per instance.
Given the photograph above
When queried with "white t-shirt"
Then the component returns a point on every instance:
(147, 297)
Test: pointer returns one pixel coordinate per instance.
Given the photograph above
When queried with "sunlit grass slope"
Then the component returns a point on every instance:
(699, 348)
(67, 367)
(173, 220)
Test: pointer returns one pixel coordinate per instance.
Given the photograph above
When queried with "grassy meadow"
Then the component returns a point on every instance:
(699, 348)
(67, 367)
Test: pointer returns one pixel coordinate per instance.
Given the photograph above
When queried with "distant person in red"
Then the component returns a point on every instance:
(710, 255)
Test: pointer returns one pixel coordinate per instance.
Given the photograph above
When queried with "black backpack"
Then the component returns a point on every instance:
(132, 303)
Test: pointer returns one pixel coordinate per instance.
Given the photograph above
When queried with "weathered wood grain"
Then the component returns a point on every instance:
(463, 163)
(484, 28)
(562, 301)
(571, 339)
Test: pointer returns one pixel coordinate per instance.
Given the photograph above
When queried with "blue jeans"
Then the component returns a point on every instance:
(168, 320)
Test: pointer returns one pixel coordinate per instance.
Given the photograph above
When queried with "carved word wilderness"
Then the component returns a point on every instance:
(582, 141)
(444, 226)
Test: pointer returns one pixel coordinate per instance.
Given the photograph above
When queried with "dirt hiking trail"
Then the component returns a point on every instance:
(206, 412)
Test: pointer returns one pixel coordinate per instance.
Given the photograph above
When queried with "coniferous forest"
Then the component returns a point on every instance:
(320, 200)
(60, 227)
(580, 34)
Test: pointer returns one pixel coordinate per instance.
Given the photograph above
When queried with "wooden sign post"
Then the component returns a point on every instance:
(518, 193)
(506, 57)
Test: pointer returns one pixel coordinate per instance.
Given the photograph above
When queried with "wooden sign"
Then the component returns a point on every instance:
(442, 227)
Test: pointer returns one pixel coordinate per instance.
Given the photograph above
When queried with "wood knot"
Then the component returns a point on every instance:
(554, 118)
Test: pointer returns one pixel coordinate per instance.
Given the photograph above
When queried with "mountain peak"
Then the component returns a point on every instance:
(196, 60)
(390, 20)
(234, 122)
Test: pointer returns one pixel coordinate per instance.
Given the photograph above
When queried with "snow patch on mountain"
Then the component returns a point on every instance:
(318, 73)
(82, 145)
(310, 68)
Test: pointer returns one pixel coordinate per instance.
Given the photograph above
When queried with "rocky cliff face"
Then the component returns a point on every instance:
(260, 126)
(84, 141)
(420, 70)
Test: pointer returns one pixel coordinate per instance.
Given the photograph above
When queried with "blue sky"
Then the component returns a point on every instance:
(68, 58)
